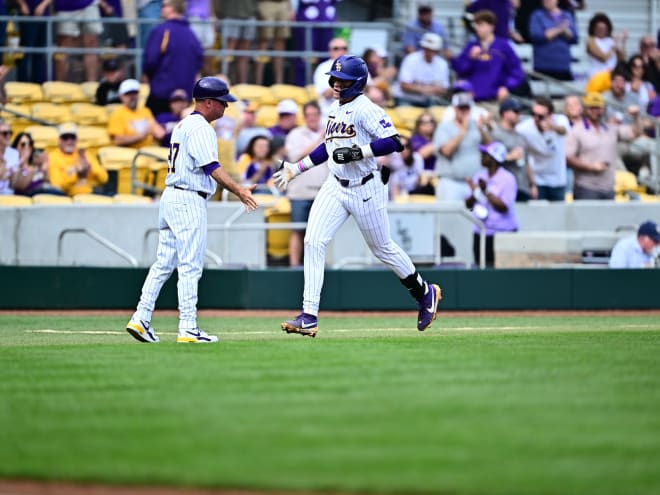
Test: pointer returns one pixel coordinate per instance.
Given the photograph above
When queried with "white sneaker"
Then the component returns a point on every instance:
(195, 336)
(141, 330)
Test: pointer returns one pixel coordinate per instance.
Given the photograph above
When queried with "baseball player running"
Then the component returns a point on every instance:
(357, 131)
(191, 181)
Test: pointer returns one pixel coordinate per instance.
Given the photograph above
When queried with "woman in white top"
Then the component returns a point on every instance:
(637, 84)
(604, 49)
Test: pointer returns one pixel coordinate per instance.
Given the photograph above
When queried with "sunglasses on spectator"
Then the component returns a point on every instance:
(68, 137)
(5, 133)
(540, 115)
(426, 121)
(337, 48)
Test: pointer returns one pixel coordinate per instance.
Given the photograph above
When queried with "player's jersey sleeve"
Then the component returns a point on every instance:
(203, 145)
(375, 122)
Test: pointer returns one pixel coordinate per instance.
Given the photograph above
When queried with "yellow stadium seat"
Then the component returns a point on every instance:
(415, 198)
(44, 136)
(92, 199)
(290, 91)
(119, 160)
(14, 200)
(155, 159)
(253, 93)
(53, 113)
(279, 211)
(266, 116)
(396, 120)
(408, 114)
(625, 181)
(23, 92)
(63, 92)
(88, 114)
(89, 90)
(110, 107)
(51, 199)
(131, 199)
(145, 89)
(18, 116)
(437, 111)
(91, 136)
(311, 92)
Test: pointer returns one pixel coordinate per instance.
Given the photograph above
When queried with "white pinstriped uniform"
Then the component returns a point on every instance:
(359, 122)
(182, 219)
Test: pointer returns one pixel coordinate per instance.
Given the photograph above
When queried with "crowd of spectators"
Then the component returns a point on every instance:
(494, 143)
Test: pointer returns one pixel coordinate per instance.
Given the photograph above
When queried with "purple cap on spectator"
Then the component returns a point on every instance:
(462, 86)
(496, 150)
(179, 94)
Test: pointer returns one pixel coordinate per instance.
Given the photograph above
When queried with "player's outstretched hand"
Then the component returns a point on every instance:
(346, 155)
(245, 195)
(285, 173)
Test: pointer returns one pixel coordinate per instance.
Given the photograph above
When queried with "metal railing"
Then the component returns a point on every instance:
(98, 238)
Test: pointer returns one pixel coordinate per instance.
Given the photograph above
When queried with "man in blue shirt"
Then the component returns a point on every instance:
(637, 251)
(424, 23)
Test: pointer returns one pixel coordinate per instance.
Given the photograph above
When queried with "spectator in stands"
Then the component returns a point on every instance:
(637, 251)
(604, 49)
(336, 48)
(202, 22)
(380, 74)
(573, 109)
(32, 67)
(592, 152)
(275, 36)
(424, 74)
(260, 168)
(172, 57)
(424, 23)
(108, 89)
(287, 116)
(240, 35)
(516, 160)
(544, 136)
(502, 10)
(622, 105)
(312, 11)
(552, 32)
(375, 94)
(408, 175)
(489, 63)
(76, 19)
(302, 191)
(247, 128)
(491, 198)
(9, 160)
(147, 10)
(32, 175)
(422, 139)
(70, 168)
(130, 124)
(115, 34)
(526, 7)
(179, 101)
(650, 54)
(457, 145)
(638, 84)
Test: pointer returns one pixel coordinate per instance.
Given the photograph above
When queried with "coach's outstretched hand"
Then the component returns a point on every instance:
(285, 173)
(346, 155)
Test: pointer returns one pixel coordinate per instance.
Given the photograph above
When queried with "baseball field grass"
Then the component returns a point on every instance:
(529, 404)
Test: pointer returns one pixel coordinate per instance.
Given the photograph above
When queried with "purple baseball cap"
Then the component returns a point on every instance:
(496, 150)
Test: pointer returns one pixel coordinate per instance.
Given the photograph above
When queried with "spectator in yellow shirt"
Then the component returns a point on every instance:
(132, 125)
(70, 168)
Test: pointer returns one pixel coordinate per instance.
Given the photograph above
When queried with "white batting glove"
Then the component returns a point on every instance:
(286, 173)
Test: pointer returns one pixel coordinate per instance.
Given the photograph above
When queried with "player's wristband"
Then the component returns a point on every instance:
(367, 151)
(305, 164)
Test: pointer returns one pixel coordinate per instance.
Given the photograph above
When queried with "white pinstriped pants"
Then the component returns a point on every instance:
(182, 221)
(332, 206)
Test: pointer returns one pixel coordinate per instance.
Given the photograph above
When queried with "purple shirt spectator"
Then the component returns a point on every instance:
(503, 185)
(416, 142)
(498, 67)
(172, 58)
(71, 5)
(552, 57)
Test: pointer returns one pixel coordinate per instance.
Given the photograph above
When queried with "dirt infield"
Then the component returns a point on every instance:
(27, 487)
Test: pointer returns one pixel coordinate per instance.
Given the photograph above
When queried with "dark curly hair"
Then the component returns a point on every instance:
(599, 17)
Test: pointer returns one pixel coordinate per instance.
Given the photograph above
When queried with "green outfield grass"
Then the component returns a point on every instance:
(477, 405)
